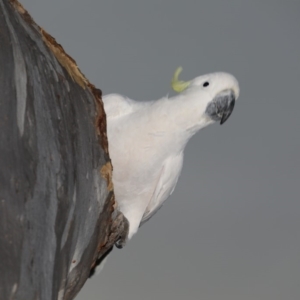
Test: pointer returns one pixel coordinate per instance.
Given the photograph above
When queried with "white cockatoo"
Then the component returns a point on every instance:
(147, 140)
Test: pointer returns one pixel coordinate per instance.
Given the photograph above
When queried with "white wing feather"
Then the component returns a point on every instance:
(116, 105)
(165, 186)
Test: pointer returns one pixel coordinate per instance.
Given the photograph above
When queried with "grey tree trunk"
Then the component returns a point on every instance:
(57, 211)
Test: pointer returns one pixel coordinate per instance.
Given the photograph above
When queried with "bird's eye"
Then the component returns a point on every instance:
(206, 83)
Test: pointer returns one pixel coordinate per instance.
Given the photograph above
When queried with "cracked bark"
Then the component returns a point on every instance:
(57, 210)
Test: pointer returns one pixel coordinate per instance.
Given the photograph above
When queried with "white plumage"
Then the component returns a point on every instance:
(147, 140)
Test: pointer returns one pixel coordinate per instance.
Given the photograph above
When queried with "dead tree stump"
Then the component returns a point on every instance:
(57, 208)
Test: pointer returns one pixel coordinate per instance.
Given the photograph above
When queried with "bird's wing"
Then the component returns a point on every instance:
(116, 105)
(165, 186)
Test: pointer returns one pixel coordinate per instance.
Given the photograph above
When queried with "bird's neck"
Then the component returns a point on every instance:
(180, 116)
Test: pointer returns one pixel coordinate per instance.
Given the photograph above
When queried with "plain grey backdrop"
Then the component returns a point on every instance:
(231, 230)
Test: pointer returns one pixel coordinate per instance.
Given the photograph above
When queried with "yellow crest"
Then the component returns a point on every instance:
(178, 85)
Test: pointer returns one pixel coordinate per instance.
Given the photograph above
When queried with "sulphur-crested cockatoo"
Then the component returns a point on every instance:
(147, 140)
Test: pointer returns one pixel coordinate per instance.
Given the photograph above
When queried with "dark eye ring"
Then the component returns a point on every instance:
(206, 83)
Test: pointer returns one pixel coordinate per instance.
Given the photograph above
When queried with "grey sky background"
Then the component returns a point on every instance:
(231, 230)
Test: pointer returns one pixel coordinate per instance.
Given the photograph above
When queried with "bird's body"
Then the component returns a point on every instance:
(147, 140)
(147, 157)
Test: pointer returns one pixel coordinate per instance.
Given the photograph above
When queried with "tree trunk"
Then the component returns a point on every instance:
(57, 209)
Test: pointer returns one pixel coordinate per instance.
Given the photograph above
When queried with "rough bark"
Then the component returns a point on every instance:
(57, 209)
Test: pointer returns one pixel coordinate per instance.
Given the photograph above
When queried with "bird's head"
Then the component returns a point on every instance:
(216, 93)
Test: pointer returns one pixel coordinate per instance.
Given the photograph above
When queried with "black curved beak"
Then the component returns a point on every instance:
(221, 107)
(228, 110)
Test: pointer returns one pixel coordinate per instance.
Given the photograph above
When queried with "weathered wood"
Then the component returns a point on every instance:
(57, 209)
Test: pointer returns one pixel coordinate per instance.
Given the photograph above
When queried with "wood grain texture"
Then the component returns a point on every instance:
(57, 208)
